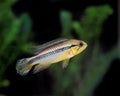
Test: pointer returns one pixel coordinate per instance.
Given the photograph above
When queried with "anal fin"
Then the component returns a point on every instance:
(65, 63)
(40, 67)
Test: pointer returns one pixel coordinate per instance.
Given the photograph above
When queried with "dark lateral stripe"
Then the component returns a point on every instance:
(53, 45)
(48, 44)
(48, 54)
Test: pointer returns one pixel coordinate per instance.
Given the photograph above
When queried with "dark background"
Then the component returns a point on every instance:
(46, 26)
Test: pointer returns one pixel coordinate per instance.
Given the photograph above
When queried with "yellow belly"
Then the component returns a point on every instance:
(68, 54)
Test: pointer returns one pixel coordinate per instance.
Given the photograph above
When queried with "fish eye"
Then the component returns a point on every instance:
(81, 44)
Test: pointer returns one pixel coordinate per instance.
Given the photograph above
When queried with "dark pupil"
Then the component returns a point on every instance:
(81, 44)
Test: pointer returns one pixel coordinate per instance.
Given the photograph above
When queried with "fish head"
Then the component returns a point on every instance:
(78, 47)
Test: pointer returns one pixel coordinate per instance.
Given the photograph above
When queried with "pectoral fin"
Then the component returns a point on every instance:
(65, 63)
(40, 67)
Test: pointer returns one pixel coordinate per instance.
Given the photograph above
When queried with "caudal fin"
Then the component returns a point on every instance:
(22, 67)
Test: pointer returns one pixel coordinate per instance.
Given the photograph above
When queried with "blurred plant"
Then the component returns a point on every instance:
(86, 70)
(14, 36)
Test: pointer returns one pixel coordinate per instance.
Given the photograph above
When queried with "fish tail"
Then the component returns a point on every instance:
(22, 67)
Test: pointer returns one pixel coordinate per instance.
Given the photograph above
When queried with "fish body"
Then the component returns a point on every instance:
(50, 53)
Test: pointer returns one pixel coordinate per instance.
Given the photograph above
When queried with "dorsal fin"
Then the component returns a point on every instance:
(37, 49)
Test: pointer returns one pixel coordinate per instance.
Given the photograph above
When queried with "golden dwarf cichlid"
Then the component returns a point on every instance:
(50, 53)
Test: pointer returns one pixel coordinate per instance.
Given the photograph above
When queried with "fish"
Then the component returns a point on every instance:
(52, 52)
